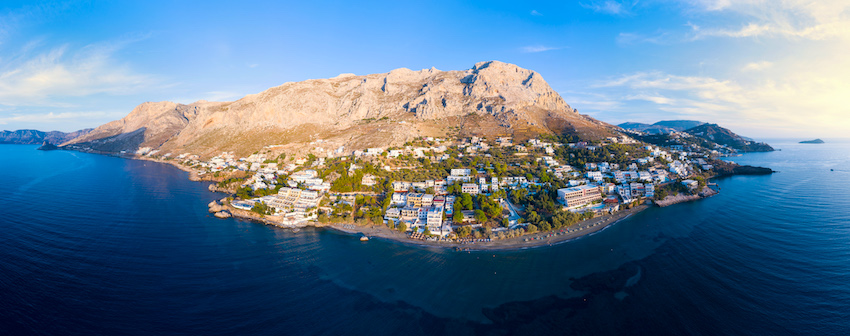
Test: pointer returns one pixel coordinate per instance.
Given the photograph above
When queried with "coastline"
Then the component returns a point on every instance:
(670, 200)
(536, 240)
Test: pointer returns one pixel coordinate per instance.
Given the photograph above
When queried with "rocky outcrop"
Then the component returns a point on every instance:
(491, 98)
(215, 207)
(46, 146)
(222, 214)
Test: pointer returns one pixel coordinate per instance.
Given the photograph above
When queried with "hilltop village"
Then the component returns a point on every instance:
(469, 189)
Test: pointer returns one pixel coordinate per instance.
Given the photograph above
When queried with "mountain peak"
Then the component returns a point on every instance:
(492, 98)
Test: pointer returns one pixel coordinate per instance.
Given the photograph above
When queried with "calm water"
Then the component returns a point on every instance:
(99, 245)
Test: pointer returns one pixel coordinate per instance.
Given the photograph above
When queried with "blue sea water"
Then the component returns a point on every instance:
(97, 245)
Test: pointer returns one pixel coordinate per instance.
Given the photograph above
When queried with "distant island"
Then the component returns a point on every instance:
(815, 141)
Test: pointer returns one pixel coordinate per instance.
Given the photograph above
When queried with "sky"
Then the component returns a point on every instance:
(763, 68)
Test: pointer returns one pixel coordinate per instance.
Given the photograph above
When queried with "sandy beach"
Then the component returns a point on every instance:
(541, 239)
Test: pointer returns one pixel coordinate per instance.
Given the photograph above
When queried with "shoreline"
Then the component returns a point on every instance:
(529, 241)
(536, 240)
(525, 242)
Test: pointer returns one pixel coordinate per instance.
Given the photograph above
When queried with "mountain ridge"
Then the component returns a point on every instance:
(661, 127)
(726, 137)
(354, 112)
(36, 137)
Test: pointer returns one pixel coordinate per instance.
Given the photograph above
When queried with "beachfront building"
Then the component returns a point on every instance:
(579, 196)
(409, 214)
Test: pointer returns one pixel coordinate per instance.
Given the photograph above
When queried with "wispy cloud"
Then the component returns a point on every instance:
(44, 78)
(535, 13)
(798, 19)
(610, 6)
(757, 66)
(774, 101)
(51, 117)
(537, 48)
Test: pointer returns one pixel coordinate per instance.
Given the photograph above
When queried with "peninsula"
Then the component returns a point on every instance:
(485, 158)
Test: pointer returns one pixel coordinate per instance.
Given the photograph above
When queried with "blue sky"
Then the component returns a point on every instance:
(763, 68)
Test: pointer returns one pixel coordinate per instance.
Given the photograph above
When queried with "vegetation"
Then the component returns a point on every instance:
(262, 209)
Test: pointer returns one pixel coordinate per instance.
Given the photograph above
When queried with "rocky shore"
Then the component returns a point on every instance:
(680, 198)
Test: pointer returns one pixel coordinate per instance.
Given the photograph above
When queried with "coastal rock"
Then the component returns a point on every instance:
(215, 207)
(491, 98)
(222, 214)
(734, 169)
(46, 146)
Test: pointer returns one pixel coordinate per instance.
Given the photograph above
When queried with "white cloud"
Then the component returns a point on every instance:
(44, 78)
(610, 6)
(651, 98)
(781, 100)
(537, 49)
(51, 117)
(757, 66)
(535, 13)
(798, 19)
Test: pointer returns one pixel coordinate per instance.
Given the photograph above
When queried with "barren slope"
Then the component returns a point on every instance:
(491, 98)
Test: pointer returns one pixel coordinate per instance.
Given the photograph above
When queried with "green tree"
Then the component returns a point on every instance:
(402, 227)
(480, 216)
(466, 201)
(457, 217)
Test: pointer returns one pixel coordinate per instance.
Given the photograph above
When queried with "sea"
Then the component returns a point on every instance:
(99, 245)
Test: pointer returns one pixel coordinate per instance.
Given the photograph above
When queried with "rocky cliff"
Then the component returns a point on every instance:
(490, 99)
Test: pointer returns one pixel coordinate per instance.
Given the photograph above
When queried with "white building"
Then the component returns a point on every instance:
(579, 196)
(470, 188)
(461, 172)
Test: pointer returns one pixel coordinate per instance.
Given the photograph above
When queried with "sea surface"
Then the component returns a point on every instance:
(98, 245)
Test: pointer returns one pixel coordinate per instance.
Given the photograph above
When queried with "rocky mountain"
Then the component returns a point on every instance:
(723, 136)
(490, 99)
(661, 127)
(34, 137)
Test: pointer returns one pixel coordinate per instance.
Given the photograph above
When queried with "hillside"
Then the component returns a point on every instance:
(679, 125)
(490, 99)
(661, 127)
(723, 136)
(34, 137)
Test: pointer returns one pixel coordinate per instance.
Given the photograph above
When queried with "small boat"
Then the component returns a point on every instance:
(364, 238)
